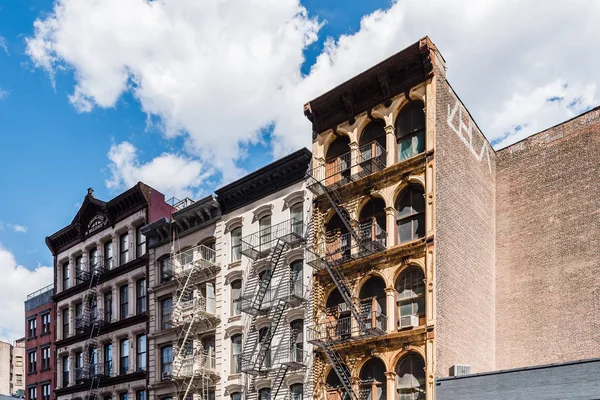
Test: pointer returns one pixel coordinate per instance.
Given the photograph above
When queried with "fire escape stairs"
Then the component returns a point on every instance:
(278, 381)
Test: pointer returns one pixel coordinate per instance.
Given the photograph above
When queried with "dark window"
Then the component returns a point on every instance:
(108, 306)
(410, 377)
(65, 320)
(410, 217)
(296, 278)
(140, 359)
(31, 327)
(264, 226)
(123, 396)
(140, 395)
(93, 307)
(45, 358)
(297, 340)
(93, 361)
(107, 397)
(236, 297)
(32, 358)
(410, 130)
(46, 323)
(236, 396)
(166, 307)
(297, 214)
(94, 260)
(263, 334)
(78, 266)
(123, 301)
(264, 394)
(108, 359)
(296, 391)
(166, 270)
(124, 356)
(166, 364)
(65, 371)
(140, 301)
(32, 393)
(236, 244)
(236, 354)
(66, 276)
(124, 248)
(46, 391)
(140, 243)
(108, 255)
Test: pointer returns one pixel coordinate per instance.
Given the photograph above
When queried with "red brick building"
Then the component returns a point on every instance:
(39, 340)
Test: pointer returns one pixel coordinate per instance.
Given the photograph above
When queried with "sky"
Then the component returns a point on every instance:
(188, 95)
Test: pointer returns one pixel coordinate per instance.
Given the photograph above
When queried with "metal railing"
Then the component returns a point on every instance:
(40, 291)
(295, 357)
(259, 244)
(85, 271)
(200, 255)
(203, 362)
(292, 291)
(178, 204)
(369, 158)
(343, 329)
(191, 308)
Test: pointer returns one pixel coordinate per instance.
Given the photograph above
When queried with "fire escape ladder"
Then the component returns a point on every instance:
(278, 381)
(263, 284)
(265, 343)
(249, 348)
(340, 370)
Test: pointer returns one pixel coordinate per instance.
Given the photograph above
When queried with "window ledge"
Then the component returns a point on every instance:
(44, 334)
(235, 318)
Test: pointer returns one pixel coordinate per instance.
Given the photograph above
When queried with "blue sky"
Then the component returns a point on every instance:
(189, 95)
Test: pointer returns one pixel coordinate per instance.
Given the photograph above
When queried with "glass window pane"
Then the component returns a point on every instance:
(405, 148)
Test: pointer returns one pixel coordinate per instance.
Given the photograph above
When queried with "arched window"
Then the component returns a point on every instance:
(372, 147)
(236, 396)
(337, 161)
(338, 321)
(410, 378)
(297, 341)
(335, 390)
(236, 354)
(410, 287)
(296, 277)
(410, 214)
(337, 239)
(372, 380)
(373, 303)
(296, 391)
(236, 297)
(236, 244)
(372, 221)
(264, 394)
(410, 130)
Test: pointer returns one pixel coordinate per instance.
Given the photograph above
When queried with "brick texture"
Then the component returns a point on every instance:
(464, 239)
(548, 246)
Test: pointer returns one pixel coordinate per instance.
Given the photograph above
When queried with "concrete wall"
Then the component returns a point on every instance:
(548, 246)
(5, 367)
(464, 238)
(573, 381)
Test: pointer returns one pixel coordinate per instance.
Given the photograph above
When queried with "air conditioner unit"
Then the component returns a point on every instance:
(409, 321)
(460, 370)
(166, 376)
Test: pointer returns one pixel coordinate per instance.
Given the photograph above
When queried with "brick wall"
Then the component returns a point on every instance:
(548, 246)
(465, 243)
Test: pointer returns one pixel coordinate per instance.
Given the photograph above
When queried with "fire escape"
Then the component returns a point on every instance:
(90, 323)
(194, 313)
(325, 181)
(267, 305)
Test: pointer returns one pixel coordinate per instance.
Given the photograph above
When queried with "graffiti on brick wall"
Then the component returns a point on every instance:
(465, 132)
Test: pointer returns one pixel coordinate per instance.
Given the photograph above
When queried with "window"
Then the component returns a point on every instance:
(140, 359)
(108, 255)
(66, 276)
(124, 354)
(410, 130)
(140, 242)
(140, 301)
(236, 297)
(65, 320)
(264, 234)
(236, 354)
(166, 364)
(65, 371)
(166, 271)
(46, 391)
(123, 396)
(372, 380)
(124, 248)
(297, 340)
(78, 364)
(410, 217)
(78, 267)
(32, 358)
(265, 346)
(297, 214)
(46, 323)
(107, 397)
(31, 325)
(236, 396)
(123, 301)
(93, 260)
(93, 361)
(411, 294)
(264, 394)
(410, 378)
(19, 379)
(208, 292)
(166, 306)
(45, 358)
(296, 391)
(296, 286)
(236, 244)
(140, 395)
(93, 307)
(108, 359)
(32, 393)
(108, 306)
(18, 361)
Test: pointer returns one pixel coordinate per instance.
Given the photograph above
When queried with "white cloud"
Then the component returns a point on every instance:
(19, 228)
(173, 174)
(16, 283)
(218, 73)
(3, 93)
(3, 45)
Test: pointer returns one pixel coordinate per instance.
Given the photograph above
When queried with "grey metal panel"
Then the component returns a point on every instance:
(568, 381)
(38, 300)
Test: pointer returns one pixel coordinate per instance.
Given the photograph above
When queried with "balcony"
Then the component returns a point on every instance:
(89, 320)
(85, 272)
(294, 358)
(259, 245)
(341, 247)
(194, 265)
(293, 293)
(348, 167)
(194, 310)
(342, 329)
(204, 363)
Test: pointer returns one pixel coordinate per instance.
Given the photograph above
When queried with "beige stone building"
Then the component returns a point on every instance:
(12, 368)
(6, 376)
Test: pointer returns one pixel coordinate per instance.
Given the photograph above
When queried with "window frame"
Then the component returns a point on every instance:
(124, 248)
(412, 216)
(236, 357)
(236, 302)
(139, 243)
(141, 300)
(32, 361)
(66, 370)
(31, 327)
(66, 325)
(123, 356)
(108, 253)
(164, 362)
(107, 358)
(66, 275)
(414, 131)
(46, 360)
(164, 316)
(123, 301)
(236, 244)
(46, 319)
(108, 303)
(140, 356)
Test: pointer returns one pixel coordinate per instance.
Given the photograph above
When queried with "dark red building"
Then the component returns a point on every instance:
(39, 344)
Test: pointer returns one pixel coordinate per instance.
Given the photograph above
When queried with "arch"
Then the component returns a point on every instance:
(411, 264)
(373, 131)
(372, 220)
(373, 301)
(373, 382)
(337, 160)
(410, 289)
(411, 376)
(337, 239)
(330, 137)
(410, 214)
(410, 129)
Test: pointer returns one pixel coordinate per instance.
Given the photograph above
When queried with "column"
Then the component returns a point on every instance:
(115, 246)
(84, 261)
(354, 157)
(391, 385)
(390, 226)
(114, 302)
(354, 247)
(71, 320)
(131, 297)
(390, 145)
(72, 281)
(390, 305)
(132, 353)
(115, 356)
(354, 327)
(71, 368)
(131, 234)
